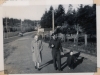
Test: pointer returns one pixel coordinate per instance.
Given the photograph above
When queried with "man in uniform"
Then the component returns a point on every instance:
(56, 46)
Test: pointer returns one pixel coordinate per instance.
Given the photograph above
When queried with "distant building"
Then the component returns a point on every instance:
(37, 24)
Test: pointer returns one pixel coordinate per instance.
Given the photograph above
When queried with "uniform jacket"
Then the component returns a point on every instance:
(57, 44)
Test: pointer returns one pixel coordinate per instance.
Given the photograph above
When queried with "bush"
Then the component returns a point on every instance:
(72, 40)
(81, 39)
(92, 40)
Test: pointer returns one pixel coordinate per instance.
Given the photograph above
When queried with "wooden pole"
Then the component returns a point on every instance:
(85, 39)
(21, 26)
(53, 20)
(77, 35)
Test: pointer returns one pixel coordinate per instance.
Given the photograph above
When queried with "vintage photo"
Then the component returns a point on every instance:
(50, 39)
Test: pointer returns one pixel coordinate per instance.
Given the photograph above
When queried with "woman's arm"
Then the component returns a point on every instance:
(32, 47)
(41, 46)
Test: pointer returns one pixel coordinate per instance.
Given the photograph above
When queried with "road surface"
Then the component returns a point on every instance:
(20, 60)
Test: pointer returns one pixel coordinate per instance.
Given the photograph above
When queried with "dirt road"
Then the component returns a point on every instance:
(20, 60)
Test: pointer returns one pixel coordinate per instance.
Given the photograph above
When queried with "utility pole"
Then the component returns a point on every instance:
(53, 20)
(21, 26)
(37, 27)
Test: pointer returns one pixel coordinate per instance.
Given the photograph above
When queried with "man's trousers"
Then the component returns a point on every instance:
(56, 59)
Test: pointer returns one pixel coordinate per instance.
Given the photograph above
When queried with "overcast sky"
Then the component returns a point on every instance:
(29, 12)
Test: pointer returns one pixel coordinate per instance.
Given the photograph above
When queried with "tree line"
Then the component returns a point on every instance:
(84, 18)
(13, 25)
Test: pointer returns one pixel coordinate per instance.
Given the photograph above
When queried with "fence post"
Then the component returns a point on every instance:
(85, 39)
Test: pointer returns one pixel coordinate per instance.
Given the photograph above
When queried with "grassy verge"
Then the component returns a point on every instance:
(5, 40)
(8, 49)
(10, 34)
(89, 49)
(10, 39)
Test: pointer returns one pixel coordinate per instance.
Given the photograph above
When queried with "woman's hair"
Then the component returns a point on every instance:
(39, 37)
(71, 50)
(35, 36)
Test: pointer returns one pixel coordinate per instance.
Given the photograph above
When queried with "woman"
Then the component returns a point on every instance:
(37, 47)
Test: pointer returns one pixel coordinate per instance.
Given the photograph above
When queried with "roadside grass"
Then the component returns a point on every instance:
(5, 41)
(8, 49)
(10, 39)
(10, 34)
(89, 49)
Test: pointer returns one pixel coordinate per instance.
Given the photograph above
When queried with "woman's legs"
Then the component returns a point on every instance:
(38, 65)
(35, 65)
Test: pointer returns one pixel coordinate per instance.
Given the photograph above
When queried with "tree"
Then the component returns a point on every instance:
(59, 16)
(46, 20)
(49, 18)
(86, 18)
(43, 20)
(70, 18)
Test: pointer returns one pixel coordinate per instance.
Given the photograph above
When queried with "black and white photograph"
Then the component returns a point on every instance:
(50, 39)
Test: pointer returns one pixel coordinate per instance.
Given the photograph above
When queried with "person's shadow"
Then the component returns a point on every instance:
(46, 64)
(64, 64)
(78, 59)
(78, 62)
(51, 62)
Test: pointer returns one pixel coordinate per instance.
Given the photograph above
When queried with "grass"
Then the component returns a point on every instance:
(89, 49)
(8, 49)
(10, 34)
(10, 39)
(7, 40)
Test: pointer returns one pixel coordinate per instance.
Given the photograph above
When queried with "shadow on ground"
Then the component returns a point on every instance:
(79, 60)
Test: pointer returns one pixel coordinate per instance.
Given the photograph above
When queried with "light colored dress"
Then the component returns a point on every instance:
(37, 48)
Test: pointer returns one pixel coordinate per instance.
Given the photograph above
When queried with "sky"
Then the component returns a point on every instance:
(29, 12)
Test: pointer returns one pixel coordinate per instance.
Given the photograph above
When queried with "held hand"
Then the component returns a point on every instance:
(52, 45)
(62, 53)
